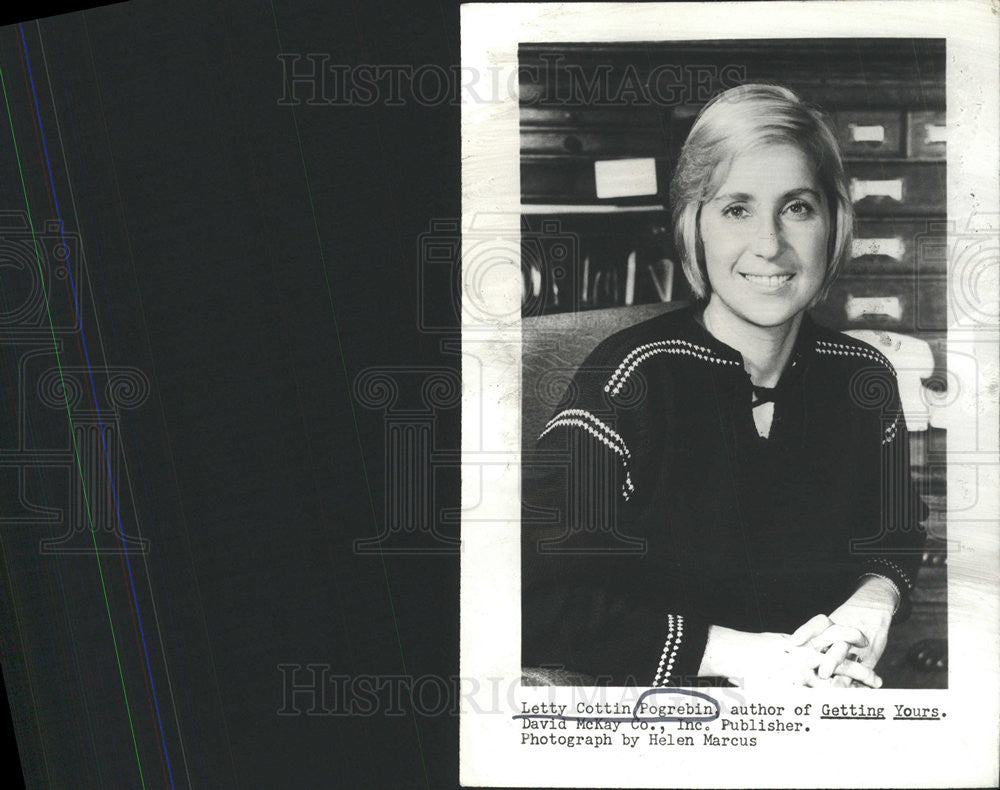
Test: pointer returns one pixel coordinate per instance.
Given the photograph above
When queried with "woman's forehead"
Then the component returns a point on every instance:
(772, 167)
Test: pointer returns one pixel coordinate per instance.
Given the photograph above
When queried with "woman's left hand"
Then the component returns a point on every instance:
(869, 610)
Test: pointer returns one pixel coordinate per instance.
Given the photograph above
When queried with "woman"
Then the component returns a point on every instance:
(727, 492)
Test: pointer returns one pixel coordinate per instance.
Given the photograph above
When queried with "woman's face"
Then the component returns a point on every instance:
(765, 235)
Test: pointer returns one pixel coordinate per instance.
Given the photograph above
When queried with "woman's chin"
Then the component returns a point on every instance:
(770, 316)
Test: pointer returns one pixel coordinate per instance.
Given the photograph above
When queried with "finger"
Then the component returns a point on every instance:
(832, 658)
(870, 657)
(804, 659)
(835, 682)
(812, 680)
(839, 633)
(860, 673)
(810, 629)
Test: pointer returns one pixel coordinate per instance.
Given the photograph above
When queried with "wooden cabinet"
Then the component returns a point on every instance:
(894, 302)
(897, 189)
(892, 246)
(926, 135)
(870, 133)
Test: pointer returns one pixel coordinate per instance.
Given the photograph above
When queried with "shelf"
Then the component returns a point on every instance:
(548, 208)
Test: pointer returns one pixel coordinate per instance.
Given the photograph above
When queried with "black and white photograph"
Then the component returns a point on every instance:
(751, 374)
(725, 445)
(411, 396)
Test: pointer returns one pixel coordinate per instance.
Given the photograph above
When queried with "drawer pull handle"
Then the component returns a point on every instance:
(894, 248)
(858, 307)
(890, 189)
(935, 134)
(867, 134)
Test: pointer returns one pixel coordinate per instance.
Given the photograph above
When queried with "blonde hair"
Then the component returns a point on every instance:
(732, 123)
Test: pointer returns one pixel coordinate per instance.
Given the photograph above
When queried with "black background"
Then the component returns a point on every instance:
(255, 467)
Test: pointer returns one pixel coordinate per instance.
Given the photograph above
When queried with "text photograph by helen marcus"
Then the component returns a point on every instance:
(730, 306)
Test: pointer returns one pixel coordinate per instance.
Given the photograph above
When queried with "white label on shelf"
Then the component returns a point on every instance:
(861, 306)
(625, 177)
(894, 248)
(867, 134)
(890, 189)
(935, 133)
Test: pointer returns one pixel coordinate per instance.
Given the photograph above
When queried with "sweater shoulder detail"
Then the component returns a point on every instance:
(675, 346)
(845, 346)
(581, 419)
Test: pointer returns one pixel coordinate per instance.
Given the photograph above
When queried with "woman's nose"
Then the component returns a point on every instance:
(766, 241)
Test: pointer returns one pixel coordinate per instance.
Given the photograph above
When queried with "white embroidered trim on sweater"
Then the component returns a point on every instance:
(675, 634)
(644, 352)
(844, 349)
(599, 430)
(890, 432)
(597, 422)
(896, 569)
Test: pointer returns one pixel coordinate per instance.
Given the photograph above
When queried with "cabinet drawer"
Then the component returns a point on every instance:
(870, 133)
(571, 180)
(558, 181)
(896, 303)
(897, 188)
(624, 142)
(899, 247)
(926, 135)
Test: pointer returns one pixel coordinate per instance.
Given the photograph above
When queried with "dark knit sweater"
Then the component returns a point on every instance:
(653, 509)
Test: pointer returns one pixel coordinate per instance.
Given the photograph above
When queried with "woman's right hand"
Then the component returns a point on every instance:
(753, 660)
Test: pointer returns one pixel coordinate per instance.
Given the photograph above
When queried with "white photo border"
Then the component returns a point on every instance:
(959, 750)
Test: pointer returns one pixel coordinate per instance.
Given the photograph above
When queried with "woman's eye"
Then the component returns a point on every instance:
(799, 208)
(735, 212)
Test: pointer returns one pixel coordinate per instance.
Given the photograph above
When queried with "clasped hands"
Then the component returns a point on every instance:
(828, 651)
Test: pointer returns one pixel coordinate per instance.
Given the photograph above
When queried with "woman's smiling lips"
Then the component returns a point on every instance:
(766, 282)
